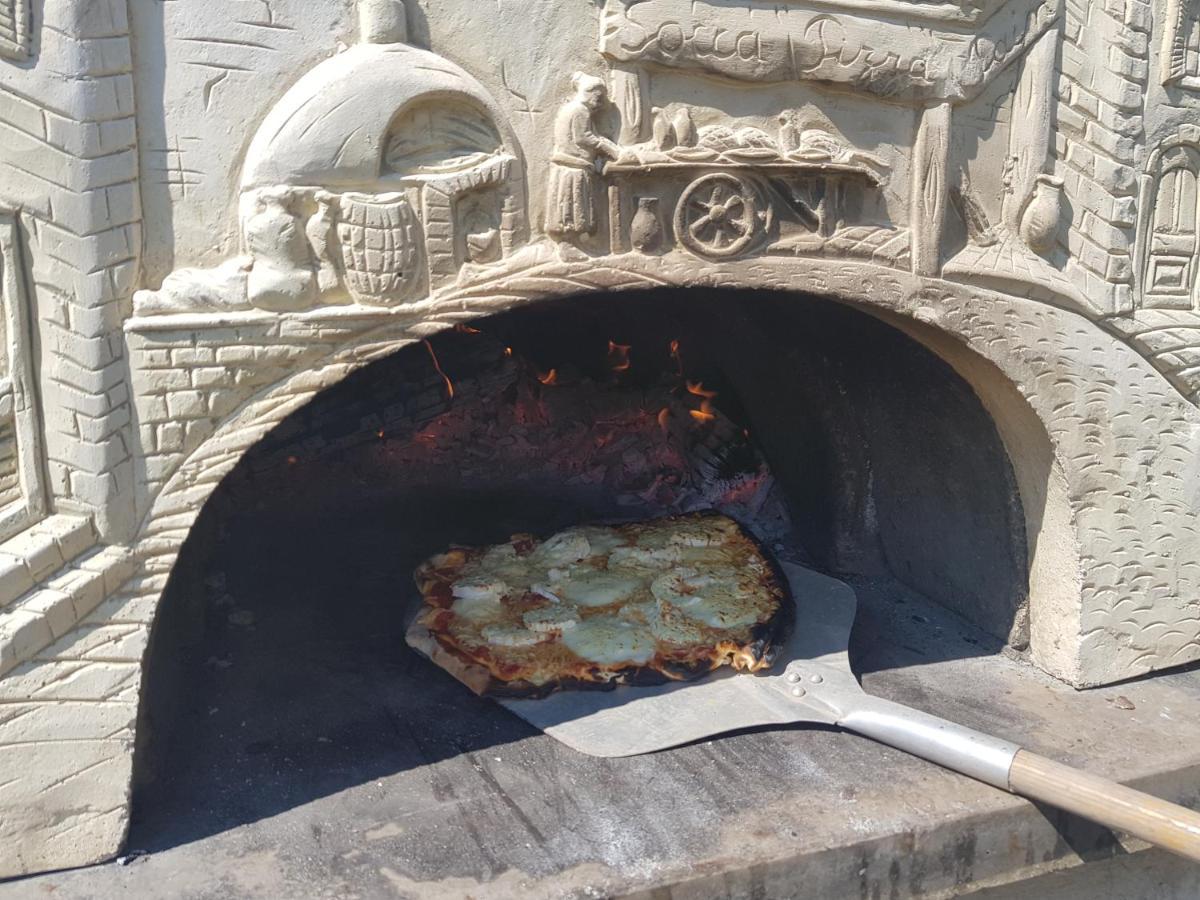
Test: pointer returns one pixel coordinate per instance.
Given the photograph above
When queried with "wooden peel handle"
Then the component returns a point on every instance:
(1156, 821)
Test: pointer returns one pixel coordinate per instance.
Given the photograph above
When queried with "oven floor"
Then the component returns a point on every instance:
(311, 754)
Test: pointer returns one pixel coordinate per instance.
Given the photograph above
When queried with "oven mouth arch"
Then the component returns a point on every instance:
(1044, 489)
(574, 304)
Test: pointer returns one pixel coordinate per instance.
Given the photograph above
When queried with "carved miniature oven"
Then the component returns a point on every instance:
(864, 272)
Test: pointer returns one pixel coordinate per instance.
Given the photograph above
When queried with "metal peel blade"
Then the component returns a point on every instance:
(813, 682)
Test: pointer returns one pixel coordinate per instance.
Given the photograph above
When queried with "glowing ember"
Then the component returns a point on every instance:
(674, 348)
(466, 329)
(612, 447)
(508, 351)
(705, 413)
(438, 367)
(618, 356)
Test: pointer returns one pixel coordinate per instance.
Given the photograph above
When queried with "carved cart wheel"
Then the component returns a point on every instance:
(719, 215)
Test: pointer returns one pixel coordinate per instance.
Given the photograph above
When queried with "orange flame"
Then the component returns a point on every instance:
(618, 356)
(508, 351)
(379, 433)
(466, 329)
(664, 417)
(438, 368)
(705, 412)
(549, 378)
(674, 348)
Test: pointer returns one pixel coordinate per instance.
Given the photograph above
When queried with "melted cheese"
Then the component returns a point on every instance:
(563, 548)
(671, 626)
(510, 636)
(609, 640)
(472, 589)
(546, 619)
(718, 600)
(651, 559)
(609, 597)
(477, 610)
(598, 587)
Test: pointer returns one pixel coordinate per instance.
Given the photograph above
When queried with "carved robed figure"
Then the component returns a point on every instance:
(577, 146)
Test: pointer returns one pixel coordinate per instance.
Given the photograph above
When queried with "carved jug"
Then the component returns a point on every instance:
(645, 231)
(1039, 221)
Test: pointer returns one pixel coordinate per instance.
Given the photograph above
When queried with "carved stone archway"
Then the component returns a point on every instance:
(1099, 486)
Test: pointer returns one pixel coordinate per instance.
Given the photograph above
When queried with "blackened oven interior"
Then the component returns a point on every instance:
(840, 436)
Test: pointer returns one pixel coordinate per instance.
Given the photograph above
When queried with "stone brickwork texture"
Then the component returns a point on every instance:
(70, 164)
(1099, 143)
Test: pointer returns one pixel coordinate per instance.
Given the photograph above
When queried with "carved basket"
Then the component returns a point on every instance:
(381, 247)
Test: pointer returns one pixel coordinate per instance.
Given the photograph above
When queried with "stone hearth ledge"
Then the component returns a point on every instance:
(804, 813)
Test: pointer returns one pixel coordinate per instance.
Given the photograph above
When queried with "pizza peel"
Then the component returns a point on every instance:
(812, 683)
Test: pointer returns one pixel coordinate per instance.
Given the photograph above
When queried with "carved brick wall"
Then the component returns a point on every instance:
(1101, 91)
(70, 166)
(16, 29)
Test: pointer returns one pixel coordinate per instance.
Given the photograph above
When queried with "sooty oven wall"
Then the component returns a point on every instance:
(891, 468)
(301, 561)
(891, 464)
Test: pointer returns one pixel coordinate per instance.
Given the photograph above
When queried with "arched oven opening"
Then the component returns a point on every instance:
(279, 668)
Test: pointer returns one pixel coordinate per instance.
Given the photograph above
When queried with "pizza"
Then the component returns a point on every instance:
(597, 606)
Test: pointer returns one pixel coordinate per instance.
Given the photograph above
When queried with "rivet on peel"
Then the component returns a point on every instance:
(793, 677)
(797, 692)
(816, 679)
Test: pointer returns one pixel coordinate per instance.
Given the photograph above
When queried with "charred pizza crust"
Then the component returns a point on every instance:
(715, 598)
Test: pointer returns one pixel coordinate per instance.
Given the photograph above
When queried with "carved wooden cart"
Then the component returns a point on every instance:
(720, 207)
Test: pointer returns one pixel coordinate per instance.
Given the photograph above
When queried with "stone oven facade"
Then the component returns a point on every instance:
(213, 211)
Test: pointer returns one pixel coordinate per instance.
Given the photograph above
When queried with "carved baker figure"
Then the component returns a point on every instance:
(577, 146)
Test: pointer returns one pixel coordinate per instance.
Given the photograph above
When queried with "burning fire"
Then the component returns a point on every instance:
(438, 368)
(664, 418)
(674, 348)
(549, 378)
(705, 413)
(618, 356)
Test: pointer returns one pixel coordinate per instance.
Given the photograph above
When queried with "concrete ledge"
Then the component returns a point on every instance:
(399, 782)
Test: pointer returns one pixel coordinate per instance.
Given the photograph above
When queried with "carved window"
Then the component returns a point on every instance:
(16, 31)
(1170, 231)
(1181, 53)
(22, 490)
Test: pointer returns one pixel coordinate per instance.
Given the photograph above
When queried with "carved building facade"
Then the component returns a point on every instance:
(280, 191)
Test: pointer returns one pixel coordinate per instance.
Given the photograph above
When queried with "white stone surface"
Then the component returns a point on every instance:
(1012, 182)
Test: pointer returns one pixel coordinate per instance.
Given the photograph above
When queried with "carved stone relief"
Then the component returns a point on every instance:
(339, 208)
(1181, 44)
(16, 29)
(879, 55)
(695, 181)
(1170, 225)
(1015, 177)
